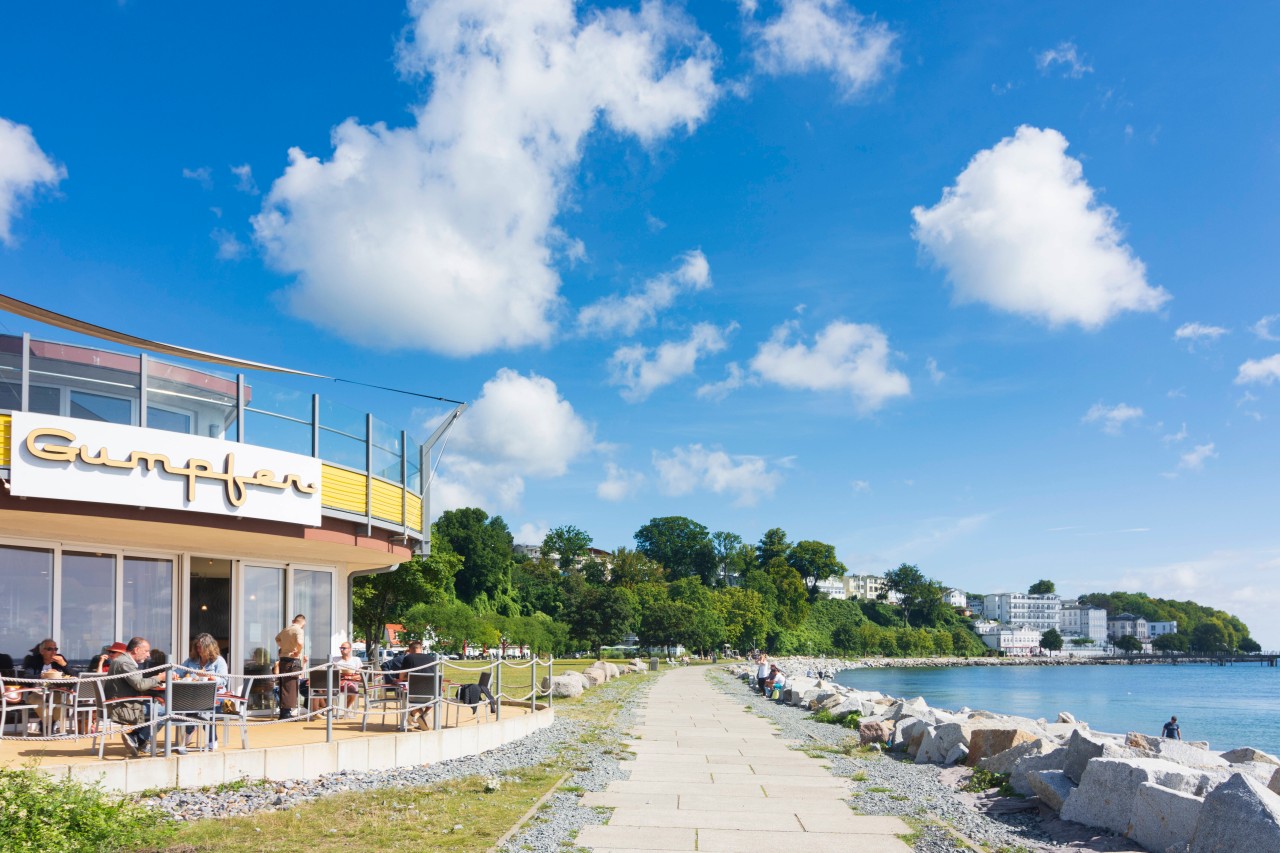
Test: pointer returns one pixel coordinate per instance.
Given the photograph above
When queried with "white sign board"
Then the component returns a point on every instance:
(81, 460)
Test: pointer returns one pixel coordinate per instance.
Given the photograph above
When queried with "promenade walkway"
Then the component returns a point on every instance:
(709, 776)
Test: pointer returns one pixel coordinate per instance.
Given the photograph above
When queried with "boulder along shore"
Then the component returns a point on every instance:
(833, 665)
(1162, 795)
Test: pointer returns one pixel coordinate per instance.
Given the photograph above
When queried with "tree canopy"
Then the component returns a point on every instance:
(680, 545)
(1042, 588)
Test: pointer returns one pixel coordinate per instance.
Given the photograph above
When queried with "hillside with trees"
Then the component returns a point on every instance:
(682, 584)
(1200, 628)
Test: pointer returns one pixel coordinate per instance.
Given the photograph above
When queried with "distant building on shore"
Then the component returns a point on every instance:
(833, 587)
(956, 598)
(1012, 640)
(864, 587)
(1038, 612)
(977, 605)
(1159, 629)
(1129, 625)
(1083, 620)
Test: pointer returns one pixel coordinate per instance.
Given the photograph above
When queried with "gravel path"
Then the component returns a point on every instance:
(896, 787)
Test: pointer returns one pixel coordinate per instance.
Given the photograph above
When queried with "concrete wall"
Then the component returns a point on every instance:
(303, 761)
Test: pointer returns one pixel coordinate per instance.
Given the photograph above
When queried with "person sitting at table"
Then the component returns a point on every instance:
(131, 686)
(205, 664)
(349, 680)
(44, 661)
(420, 664)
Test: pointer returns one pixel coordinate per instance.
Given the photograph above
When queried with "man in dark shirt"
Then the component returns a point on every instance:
(1172, 729)
(418, 664)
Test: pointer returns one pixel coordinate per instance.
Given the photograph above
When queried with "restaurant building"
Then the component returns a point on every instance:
(164, 497)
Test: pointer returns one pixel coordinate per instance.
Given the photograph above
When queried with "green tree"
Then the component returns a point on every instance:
(814, 561)
(381, 599)
(484, 544)
(746, 621)
(680, 545)
(726, 546)
(632, 568)
(1129, 644)
(791, 597)
(538, 583)
(1211, 638)
(1171, 643)
(773, 546)
(1042, 588)
(921, 598)
(703, 629)
(1051, 640)
(602, 616)
(568, 543)
(1248, 645)
(1081, 642)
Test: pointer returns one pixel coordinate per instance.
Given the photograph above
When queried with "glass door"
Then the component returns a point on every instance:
(262, 600)
(209, 610)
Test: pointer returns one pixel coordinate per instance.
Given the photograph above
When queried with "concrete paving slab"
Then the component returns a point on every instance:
(854, 824)
(770, 805)
(782, 769)
(722, 789)
(754, 841)
(700, 820)
(655, 838)
(620, 799)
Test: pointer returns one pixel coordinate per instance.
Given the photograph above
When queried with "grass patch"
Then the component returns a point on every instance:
(879, 789)
(860, 776)
(917, 832)
(40, 813)
(984, 780)
(411, 819)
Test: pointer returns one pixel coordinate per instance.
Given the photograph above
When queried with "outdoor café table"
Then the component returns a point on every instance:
(48, 696)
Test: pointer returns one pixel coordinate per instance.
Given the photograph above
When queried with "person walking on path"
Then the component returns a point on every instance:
(1172, 729)
(290, 642)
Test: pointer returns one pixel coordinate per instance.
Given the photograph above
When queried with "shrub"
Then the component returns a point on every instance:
(40, 813)
(984, 780)
(823, 715)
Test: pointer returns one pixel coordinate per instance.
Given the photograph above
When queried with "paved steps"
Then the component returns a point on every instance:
(710, 777)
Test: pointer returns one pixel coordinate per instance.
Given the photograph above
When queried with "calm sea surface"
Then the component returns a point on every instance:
(1228, 706)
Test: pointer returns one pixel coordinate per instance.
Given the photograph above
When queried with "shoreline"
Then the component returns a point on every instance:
(834, 665)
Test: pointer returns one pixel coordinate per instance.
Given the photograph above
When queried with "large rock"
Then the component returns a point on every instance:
(1002, 762)
(796, 688)
(919, 734)
(1051, 786)
(957, 755)
(916, 707)
(592, 677)
(906, 729)
(1065, 717)
(564, 686)
(875, 731)
(1105, 795)
(611, 670)
(1161, 817)
(1083, 748)
(1032, 763)
(1248, 753)
(1176, 751)
(1238, 815)
(938, 745)
(845, 708)
(984, 743)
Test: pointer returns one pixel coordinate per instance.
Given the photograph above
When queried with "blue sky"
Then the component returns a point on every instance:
(980, 289)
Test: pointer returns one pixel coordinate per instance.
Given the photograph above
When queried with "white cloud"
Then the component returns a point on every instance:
(1177, 437)
(1260, 370)
(1194, 333)
(685, 469)
(1022, 231)
(442, 235)
(734, 379)
(627, 314)
(654, 223)
(861, 486)
(618, 483)
(641, 371)
(244, 179)
(1262, 328)
(1111, 418)
(1067, 55)
(852, 357)
(24, 168)
(531, 533)
(520, 427)
(229, 247)
(936, 375)
(202, 176)
(825, 35)
(1193, 460)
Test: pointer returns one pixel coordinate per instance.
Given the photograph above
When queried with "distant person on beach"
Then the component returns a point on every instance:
(1172, 729)
(762, 673)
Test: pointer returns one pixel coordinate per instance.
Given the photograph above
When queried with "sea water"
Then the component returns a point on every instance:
(1229, 706)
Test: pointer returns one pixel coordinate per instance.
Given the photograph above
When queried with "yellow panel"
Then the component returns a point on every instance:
(388, 502)
(415, 511)
(6, 428)
(342, 489)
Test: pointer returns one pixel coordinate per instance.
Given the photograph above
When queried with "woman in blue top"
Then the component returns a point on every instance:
(206, 662)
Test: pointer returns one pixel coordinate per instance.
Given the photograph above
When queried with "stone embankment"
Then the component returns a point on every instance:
(1167, 796)
(817, 664)
(573, 683)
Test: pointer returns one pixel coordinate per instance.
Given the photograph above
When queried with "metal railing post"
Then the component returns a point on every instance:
(533, 692)
(315, 426)
(240, 407)
(26, 371)
(435, 706)
(497, 693)
(551, 679)
(328, 708)
(168, 712)
(142, 389)
(368, 473)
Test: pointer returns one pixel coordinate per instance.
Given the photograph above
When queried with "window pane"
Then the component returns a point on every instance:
(96, 407)
(313, 598)
(88, 605)
(10, 396)
(42, 398)
(263, 619)
(148, 603)
(26, 600)
(167, 420)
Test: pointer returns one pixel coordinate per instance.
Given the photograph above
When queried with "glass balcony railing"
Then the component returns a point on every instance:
(138, 390)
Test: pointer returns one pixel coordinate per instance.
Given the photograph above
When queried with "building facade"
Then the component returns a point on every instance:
(163, 499)
(1081, 620)
(956, 598)
(1016, 641)
(1038, 612)
(1159, 629)
(833, 587)
(865, 587)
